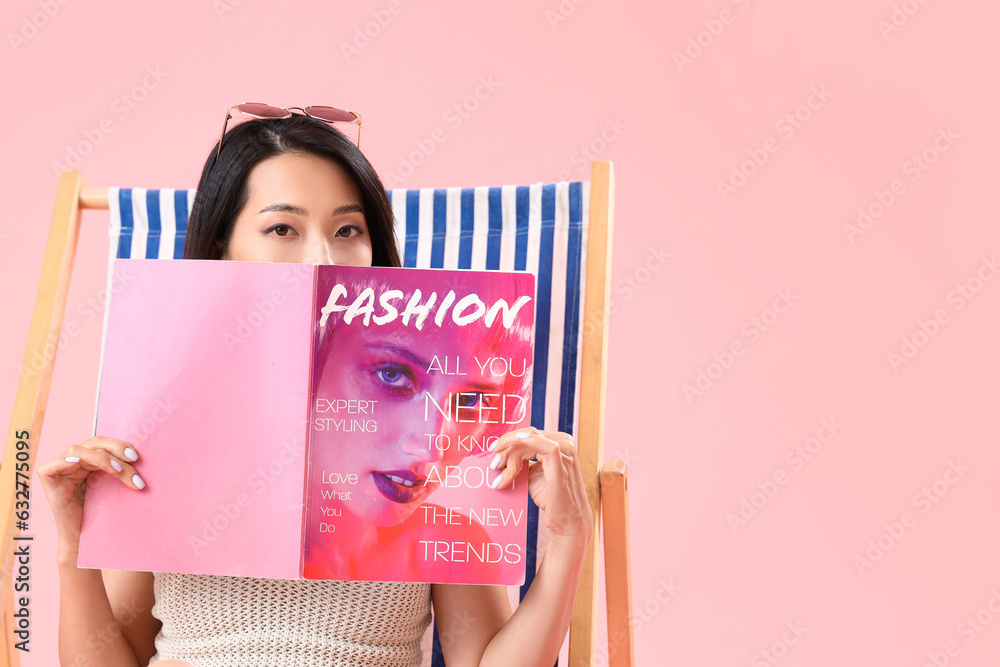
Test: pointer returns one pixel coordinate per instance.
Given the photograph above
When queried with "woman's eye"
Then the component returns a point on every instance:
(349, 231)
(468, 399)
(279, 230)
(394, 378)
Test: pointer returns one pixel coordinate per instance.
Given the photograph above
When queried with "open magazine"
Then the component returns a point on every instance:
(312, 421)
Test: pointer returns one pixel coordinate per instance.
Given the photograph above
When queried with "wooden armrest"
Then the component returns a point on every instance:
(617, 563)
(33, 388)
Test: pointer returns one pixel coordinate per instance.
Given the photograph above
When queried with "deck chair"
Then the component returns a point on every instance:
(561, 232)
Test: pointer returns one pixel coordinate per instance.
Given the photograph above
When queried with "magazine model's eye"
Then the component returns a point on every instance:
(470, 399)
(395, 378)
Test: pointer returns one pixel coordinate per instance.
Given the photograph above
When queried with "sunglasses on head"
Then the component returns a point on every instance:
(325, 114)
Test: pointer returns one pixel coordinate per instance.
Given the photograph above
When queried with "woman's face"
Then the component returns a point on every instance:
(399, 381)
(301, 208)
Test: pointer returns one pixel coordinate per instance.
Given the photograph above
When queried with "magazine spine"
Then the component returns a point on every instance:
(307, 462)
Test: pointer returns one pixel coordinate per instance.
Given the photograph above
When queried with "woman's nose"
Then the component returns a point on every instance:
(424, 439)
(318, 251)
(426, 444)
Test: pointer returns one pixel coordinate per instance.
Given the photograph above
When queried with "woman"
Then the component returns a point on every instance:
(296, 190)
(400, 409)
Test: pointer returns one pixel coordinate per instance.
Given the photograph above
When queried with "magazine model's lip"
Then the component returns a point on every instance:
(407, 478)
(399, 486)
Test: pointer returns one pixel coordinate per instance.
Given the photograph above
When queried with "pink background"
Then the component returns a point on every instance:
(690, 270)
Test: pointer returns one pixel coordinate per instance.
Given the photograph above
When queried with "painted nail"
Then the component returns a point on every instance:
(522, 435)
(493, 446)
(117, 466)
(138, 481)
(72, 459)
(495, 483)
(130, 454)
(495, 462)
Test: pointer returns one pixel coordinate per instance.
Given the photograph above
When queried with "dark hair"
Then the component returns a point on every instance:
(222, 191)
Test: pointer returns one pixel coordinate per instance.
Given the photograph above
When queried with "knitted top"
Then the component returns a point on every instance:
(242, 622)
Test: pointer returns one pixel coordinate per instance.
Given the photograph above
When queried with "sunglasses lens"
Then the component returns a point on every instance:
(332, 114)
(264, 111)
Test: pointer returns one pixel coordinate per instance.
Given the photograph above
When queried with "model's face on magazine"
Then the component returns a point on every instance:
(304, 209)
(394, 444)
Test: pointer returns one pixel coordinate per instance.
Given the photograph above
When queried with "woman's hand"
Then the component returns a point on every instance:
(65, 481)
(555, 481)
(533, 635)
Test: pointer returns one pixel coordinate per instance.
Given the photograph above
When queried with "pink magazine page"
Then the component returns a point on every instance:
(416, 372)
(206, 371)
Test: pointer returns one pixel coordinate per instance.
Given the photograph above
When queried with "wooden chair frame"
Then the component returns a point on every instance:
(606, 482)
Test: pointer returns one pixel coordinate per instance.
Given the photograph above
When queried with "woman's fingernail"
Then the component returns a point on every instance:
(130, 454)
(495, 483)
(522, 435)
(493, 446)
(117, 466)
(72, 459)
(138, 481)
(495, 462)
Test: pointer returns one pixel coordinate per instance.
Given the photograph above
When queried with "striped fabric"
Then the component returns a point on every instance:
(150, 224)
(538, 228)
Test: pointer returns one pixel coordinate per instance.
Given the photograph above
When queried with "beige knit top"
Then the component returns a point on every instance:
(241, 622)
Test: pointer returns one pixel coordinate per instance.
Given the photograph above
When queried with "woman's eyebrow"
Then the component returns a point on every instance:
(348, 208)
(486, 387)
(285, 208)
(298, 210)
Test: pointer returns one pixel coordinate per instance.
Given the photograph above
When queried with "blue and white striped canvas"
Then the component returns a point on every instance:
(539, 228)
(149, 224)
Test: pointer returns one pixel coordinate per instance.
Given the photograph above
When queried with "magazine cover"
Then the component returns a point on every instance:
(415, 374)
(312, 421)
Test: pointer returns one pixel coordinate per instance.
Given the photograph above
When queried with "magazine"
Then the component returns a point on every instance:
(313, 421)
